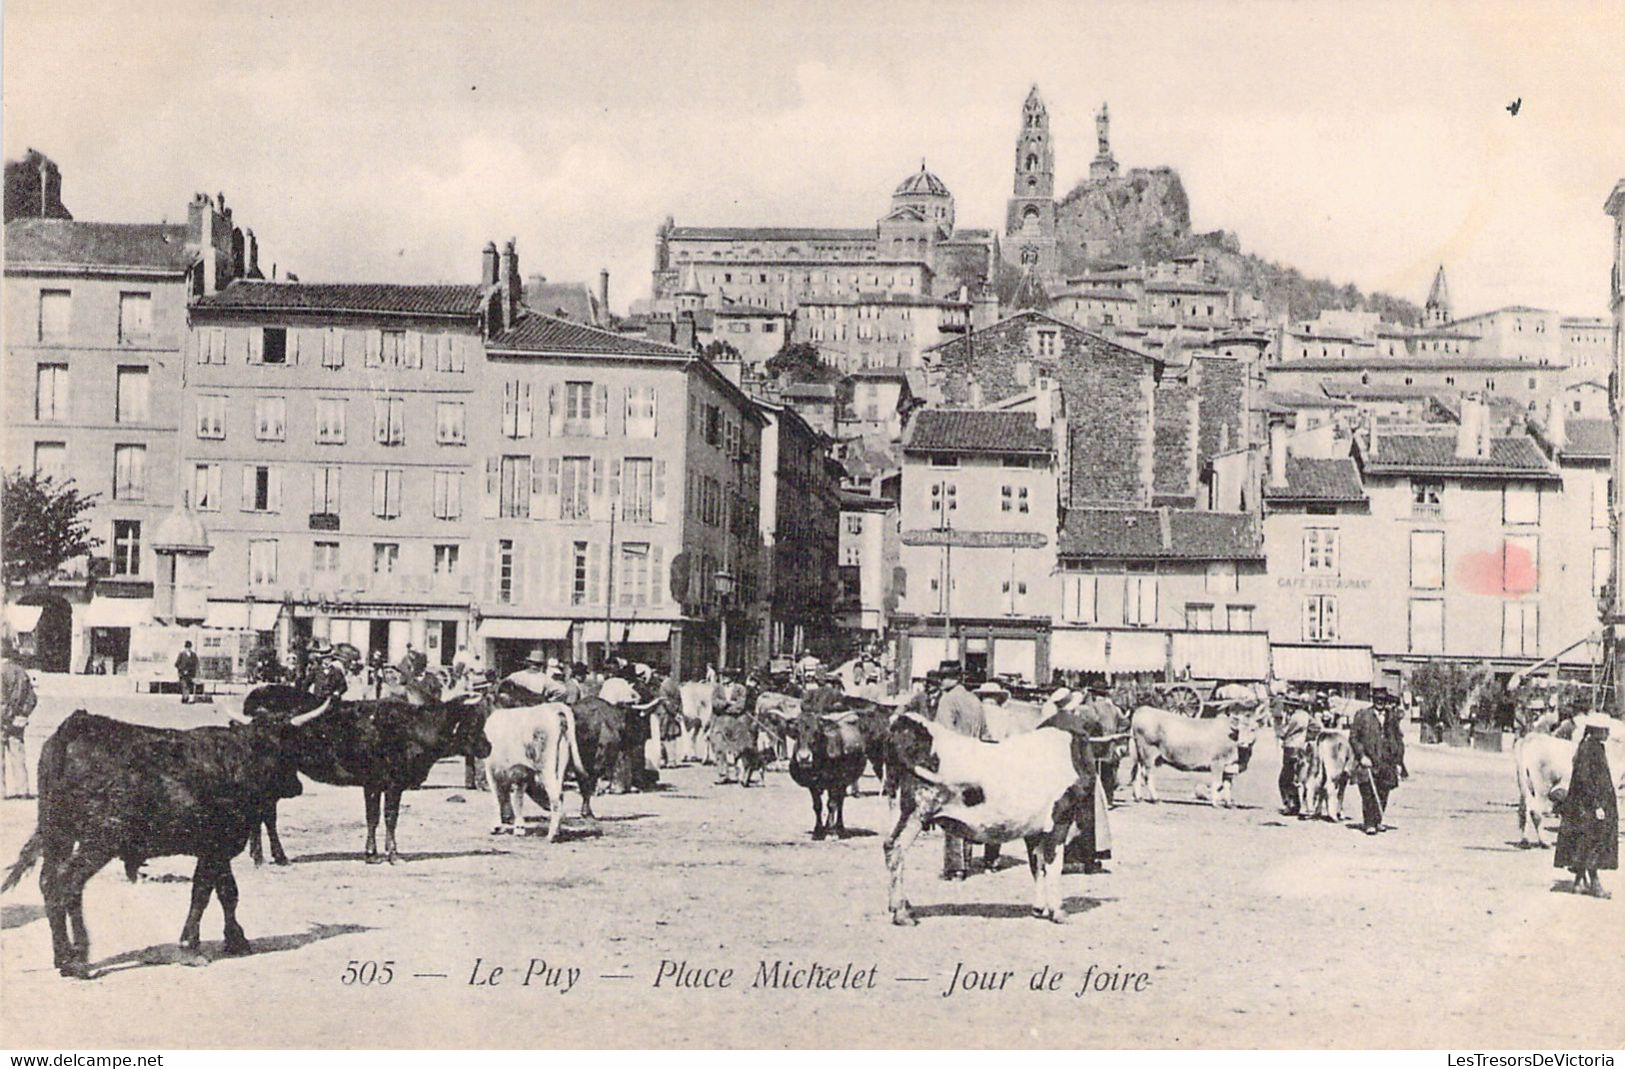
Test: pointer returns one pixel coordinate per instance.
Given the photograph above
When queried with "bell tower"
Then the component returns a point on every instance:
(1029, 226)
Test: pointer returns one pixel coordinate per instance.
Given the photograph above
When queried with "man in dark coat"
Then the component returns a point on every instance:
(1588, 839)
(186, 669)
(1374, 771)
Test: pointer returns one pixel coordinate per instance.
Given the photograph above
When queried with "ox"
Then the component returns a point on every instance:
(386, 747)
(1222, 747)
(1324, 776)
(532, 746)
(827, 756)
(1541, 764)
(1034, 787)
(699, 706)
(112, 789)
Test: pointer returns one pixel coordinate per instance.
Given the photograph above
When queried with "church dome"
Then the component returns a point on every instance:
(921, 181)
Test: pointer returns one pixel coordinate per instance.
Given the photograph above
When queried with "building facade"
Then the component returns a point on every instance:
(800, 517)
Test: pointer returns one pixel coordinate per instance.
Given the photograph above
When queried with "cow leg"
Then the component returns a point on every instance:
(1335, 805)
(837, 809)
(392, 816)
(225, 888)
(1143, 779)
(818, 812)
(278, 856)
(256, 849)
(553, 784)
(372, 796)
(910, 823)
(70, 939)
(53, 888)
(203, 881)
(587, 783)
(1035, 866)
(499, 795)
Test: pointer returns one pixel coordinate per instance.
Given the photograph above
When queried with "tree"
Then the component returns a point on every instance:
(720, 350)
(800, 362)
(45, 525)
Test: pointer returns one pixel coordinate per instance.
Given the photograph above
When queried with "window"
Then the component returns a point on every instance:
(1427, 498)
(1320, 550)
(1239, 618)
(1221, 577)
(1520, 503)
(1046, 343)
(518, 417)
(274, 346)
(262, 488)
(126, 547)
(448, 351)
(1199, 617)
(1520, 564)
(324, 557)
(578, 574)
(448, 423)
(51, 460)
(854, 524)
(211, 416)
(388, 420)
(130, 472)
(1427, 560)
(945, 460)
(632, 575)
(637, 490)
(514, 502)
(1140, 597)
(1320, 618)
(386, 493)
(270, 418)
(578, 408)
(330, 420)
(206, 487)
(393, 352)
(505, 570)
(55, 312)
(211, 345)
(1601, 565)
(445, 559)
(944, 499)
(324, 496)
(51, 392)
(640, 412)
(261, 561)
(448, 495)
(1427, 625)
(385, 556)
(1080, 598)
(1520, 628)
(333, 349)
(575, 488)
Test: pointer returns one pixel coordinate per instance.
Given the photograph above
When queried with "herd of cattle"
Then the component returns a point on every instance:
(111, 789)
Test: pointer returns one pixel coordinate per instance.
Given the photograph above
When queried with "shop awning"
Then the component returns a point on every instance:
(263, 617)
(227, 615)
(1323, 664)
(1077, 651)
(1138, 651)
(525, 627)
(118, 612)
(1240, 656)
(22, 618)
(647, 631)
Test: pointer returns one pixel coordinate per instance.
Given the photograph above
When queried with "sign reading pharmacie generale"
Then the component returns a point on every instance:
(1321, 582)
(976, 539)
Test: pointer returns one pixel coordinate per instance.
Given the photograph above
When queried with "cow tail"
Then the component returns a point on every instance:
(32, 850)
(570, 736)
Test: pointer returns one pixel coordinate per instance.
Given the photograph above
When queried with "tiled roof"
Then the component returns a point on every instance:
(539, 333)
(344, 297)
(1435, 454)
(944, 430)
(1440, 362)
(1589, 438)
(65, 242)
(772, 233)
(1290, 399)
(567, 300)
(740, 308)
(1172, 285)
(1323, 479)
(1160, 534)
(819, 391)
(889, 373)
(1379, 392)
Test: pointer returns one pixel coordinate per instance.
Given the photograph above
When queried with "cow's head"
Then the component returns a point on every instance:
(1244, 728)
(274, 739)
(807, 742)
(465, 726)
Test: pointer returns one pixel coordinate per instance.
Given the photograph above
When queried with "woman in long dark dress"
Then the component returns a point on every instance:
(1588, 839)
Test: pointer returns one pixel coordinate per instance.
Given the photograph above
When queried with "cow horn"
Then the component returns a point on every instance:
(927, 775)
(305, 718)
(234, 716)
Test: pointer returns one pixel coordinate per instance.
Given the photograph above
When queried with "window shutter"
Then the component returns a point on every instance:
(274, 493)
(519, 571)
(526, 417)
(566, 559)
(459, 351)
(654, 412)
(659, 504)
(256, 346)
(600, 410)
(493, 478)
(626, 409)
(1308, 619)
(510, 409)
(247, 503)
(657, 575)
(488, 579)
(1332, 551)
(375, 348)
(555, 411)
(614, 481)
(595, 501)
(550, 489)
(1328, 618)
(595, 560)
(379, 502)
(414, 349)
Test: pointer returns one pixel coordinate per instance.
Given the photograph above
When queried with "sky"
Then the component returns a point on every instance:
(390, 141)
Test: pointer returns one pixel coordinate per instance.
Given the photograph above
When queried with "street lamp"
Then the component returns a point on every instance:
(725, 589)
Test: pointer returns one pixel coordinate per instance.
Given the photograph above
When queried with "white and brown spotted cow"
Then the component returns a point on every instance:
(531, 748)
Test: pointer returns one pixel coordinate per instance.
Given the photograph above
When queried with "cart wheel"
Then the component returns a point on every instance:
(1184, 701)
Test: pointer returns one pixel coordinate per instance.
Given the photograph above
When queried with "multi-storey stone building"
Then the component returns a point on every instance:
(800, 511)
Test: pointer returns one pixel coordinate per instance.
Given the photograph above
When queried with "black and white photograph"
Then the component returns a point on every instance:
(800, 526)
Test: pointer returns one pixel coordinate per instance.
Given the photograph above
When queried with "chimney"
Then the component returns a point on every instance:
(1043, 404)
(488, 264)
(683, 335)
(512, 291)
(1278, 453)
(237, 253)
(1472, 431)
(211, 255)
(603, 294)
(253, 255)
(1557, 426)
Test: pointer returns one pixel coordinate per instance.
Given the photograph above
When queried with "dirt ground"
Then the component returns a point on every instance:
(1212, 928)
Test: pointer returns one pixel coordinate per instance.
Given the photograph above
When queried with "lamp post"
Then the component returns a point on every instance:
(949, 500)
(725, 589)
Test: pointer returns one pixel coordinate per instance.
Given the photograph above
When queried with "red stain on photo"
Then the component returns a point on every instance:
(1508, 572)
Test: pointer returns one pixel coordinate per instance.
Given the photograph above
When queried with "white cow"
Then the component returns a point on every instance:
(531, 748)
(1221, 747)
(1541, 764)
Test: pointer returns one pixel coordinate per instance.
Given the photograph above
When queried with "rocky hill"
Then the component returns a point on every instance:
(1143, 216)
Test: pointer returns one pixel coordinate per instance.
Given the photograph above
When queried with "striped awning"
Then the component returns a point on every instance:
(1231, 655)
(1323, 664)
(1077, 651)
(648, 631)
